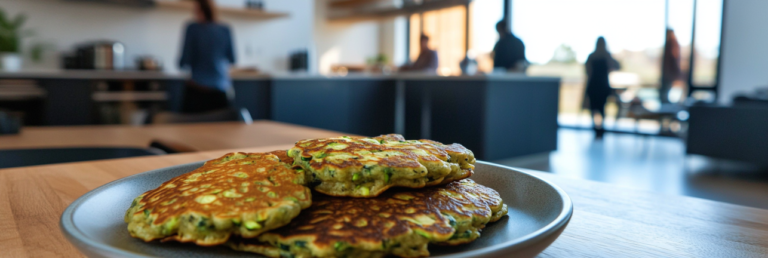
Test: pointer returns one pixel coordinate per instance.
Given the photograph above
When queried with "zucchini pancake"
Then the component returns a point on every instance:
(399, 222)
(366, 167)
(243, 194)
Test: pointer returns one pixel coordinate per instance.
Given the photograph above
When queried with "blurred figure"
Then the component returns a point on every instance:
(599, 64)
(207, 52)
(670, 70)
(427, 60)
(509, 51)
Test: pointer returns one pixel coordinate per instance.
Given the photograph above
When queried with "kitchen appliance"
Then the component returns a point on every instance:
(149, 63)
(97, 55)
(299, 61)
(254, 4)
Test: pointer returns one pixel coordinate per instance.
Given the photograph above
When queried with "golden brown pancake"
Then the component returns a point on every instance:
(399, 222)
(242, 194)
(366, 167)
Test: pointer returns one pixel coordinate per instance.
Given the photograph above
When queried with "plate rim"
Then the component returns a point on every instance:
(559, 222)
(78, 238)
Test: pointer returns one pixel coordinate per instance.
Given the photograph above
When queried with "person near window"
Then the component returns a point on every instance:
(599, 64)
(509, 51)
(427, 60)
(671, 71)
(207, 52)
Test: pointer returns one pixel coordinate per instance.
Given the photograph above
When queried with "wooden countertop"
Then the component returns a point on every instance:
(608, 221)
(202, 137)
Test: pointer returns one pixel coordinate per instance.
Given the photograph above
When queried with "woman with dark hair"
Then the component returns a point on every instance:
(599, 64)
(207, 52)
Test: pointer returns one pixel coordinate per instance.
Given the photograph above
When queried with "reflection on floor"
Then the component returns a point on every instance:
(651, 163)
(584, 121)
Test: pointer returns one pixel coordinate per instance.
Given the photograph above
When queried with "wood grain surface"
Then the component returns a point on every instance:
(202, 137)
(608, 221)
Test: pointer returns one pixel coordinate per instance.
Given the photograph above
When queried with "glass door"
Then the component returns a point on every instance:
(559, 35)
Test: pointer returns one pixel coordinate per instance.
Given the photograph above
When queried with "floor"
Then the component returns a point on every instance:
(650, 163)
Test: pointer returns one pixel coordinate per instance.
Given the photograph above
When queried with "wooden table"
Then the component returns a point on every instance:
(608, 221)
(202, 137)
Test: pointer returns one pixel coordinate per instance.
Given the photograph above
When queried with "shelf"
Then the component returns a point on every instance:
(349, 10)
(352, 3)
(238, 12)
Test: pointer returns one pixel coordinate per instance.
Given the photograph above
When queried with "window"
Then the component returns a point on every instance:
(483, 16)
(707, 42)
(447, 28)
(680, 21)
(446, 31)
(560, 34)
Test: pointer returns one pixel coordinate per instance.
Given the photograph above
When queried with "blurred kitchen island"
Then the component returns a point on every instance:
(497, 116)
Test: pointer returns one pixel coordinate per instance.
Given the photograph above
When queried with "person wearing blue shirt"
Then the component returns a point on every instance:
(207, 53)
(509, 51)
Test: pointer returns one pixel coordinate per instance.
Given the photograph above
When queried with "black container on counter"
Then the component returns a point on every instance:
(254, 4)
(299, 61)
(10, 122)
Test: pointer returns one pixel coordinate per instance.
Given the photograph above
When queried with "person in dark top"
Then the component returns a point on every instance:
(509, 51)
(670, 66)
(427, 60)
(207, 52)
(599, 64)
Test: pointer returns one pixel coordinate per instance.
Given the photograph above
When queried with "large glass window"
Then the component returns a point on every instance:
(447, 27)
(483, 16)
(446, 31)
(560, 34)
(707, 42)
(680, 22)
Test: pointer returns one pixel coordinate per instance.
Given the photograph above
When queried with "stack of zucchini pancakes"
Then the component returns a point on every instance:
(332, 197)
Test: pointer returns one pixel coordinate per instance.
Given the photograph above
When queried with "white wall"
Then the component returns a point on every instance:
(158, 32)
(343, 42)
(392, 39)
(744, 64)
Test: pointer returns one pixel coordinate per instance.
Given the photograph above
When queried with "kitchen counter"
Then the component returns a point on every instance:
(112, 75)
(91, 75)
(474, 110)
(497, 116)
(415, 76)
(153, 75)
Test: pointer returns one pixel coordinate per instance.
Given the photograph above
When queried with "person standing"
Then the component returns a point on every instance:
(509, 51)
(427, 60)
(670, 70)
(207, 52)
(599, 64)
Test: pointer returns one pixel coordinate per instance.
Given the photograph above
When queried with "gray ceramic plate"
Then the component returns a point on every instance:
(538, 212)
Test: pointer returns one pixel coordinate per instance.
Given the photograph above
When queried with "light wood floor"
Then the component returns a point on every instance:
(651, 163)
